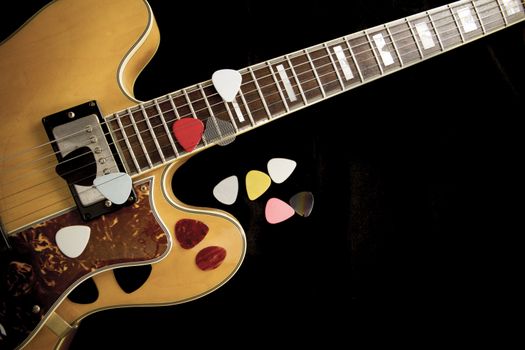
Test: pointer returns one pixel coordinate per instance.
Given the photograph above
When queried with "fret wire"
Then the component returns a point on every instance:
(166, 128)
(498, 4)
(411, 28)
(296, 79)
(126, 140)
(137, 134)
(479, 17)
(415, 38)
(260, 93)
(314, 70)
(190, 105)
(369, 50)
(374, 51)
(435, 29)
(457, 23)
(458, 30)
(394, 45)
(502, 13)
(246, 107)
(395, 33)
(278, 87)
(352, 55)
(120, 151)
(327, 49)
(170, 98)
(231, 117)
(212, 115)
(152, 132)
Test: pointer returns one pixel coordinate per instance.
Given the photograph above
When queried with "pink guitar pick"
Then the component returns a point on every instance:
(188, 131)
(277, 211)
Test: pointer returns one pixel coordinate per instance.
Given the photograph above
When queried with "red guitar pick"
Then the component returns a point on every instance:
(188, 131)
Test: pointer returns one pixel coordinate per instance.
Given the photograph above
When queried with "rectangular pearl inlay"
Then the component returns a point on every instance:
(341, 58)
(287, 85)
(386, 56)
(425, 35)
(467, 20)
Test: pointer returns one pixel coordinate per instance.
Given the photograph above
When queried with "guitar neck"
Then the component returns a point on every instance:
(285, 84)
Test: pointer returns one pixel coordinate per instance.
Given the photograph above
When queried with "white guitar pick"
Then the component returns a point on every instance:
(72, 240)
(227, 82)
(115, 186)
(280, 169)
(226, 191)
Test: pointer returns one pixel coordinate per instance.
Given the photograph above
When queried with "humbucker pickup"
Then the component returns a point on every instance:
(85, 150)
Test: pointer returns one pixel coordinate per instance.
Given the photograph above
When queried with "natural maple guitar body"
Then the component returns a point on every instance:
(70, 53)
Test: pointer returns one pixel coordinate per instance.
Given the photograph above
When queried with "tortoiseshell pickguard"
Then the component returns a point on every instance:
(35, 274)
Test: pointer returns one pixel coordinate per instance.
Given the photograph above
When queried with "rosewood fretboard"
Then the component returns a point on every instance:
(285, 84)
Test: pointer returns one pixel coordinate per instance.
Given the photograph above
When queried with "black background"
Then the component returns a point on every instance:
(414, 176)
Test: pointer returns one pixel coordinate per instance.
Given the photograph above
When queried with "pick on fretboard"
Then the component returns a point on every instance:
(143, 134)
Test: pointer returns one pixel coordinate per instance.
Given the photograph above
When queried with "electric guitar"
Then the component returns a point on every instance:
(88, 188)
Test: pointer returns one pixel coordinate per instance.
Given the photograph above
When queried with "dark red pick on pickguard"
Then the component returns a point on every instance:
(188, 131)
(210, 258)
(190, 232)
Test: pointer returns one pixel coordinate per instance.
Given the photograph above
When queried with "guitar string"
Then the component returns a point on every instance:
(388, 35)
(294, 84)
(65, 186)
(149, 117)
(217, 114)
(314, 88)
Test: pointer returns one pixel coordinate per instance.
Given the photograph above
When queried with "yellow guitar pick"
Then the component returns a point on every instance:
(257, 183)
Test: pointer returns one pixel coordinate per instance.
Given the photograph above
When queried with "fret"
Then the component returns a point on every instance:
(153, 134)
(322, 64)
(145, 134)
(365, 56)
(268, 88)
(279, 90)
(447, 27)
(167, 130)
(352, 55)
(193, 113)
(321, 87)
(143, 137)
(458, 25)
(468, 23)
(394, 45)
(294, 74)
(172, 102)
(261, 112)
(426, 37)
(306, 77)
(343, 63)
(245, 105)
(327, 49)
(120, 142)
(170, 113)
(217, 129)
(128, 144)
(491, 15)
(479, 17)
(434, 28)
(502, 13)
(406, 41)
(237, 112)
(139, 138)
(377, 59)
